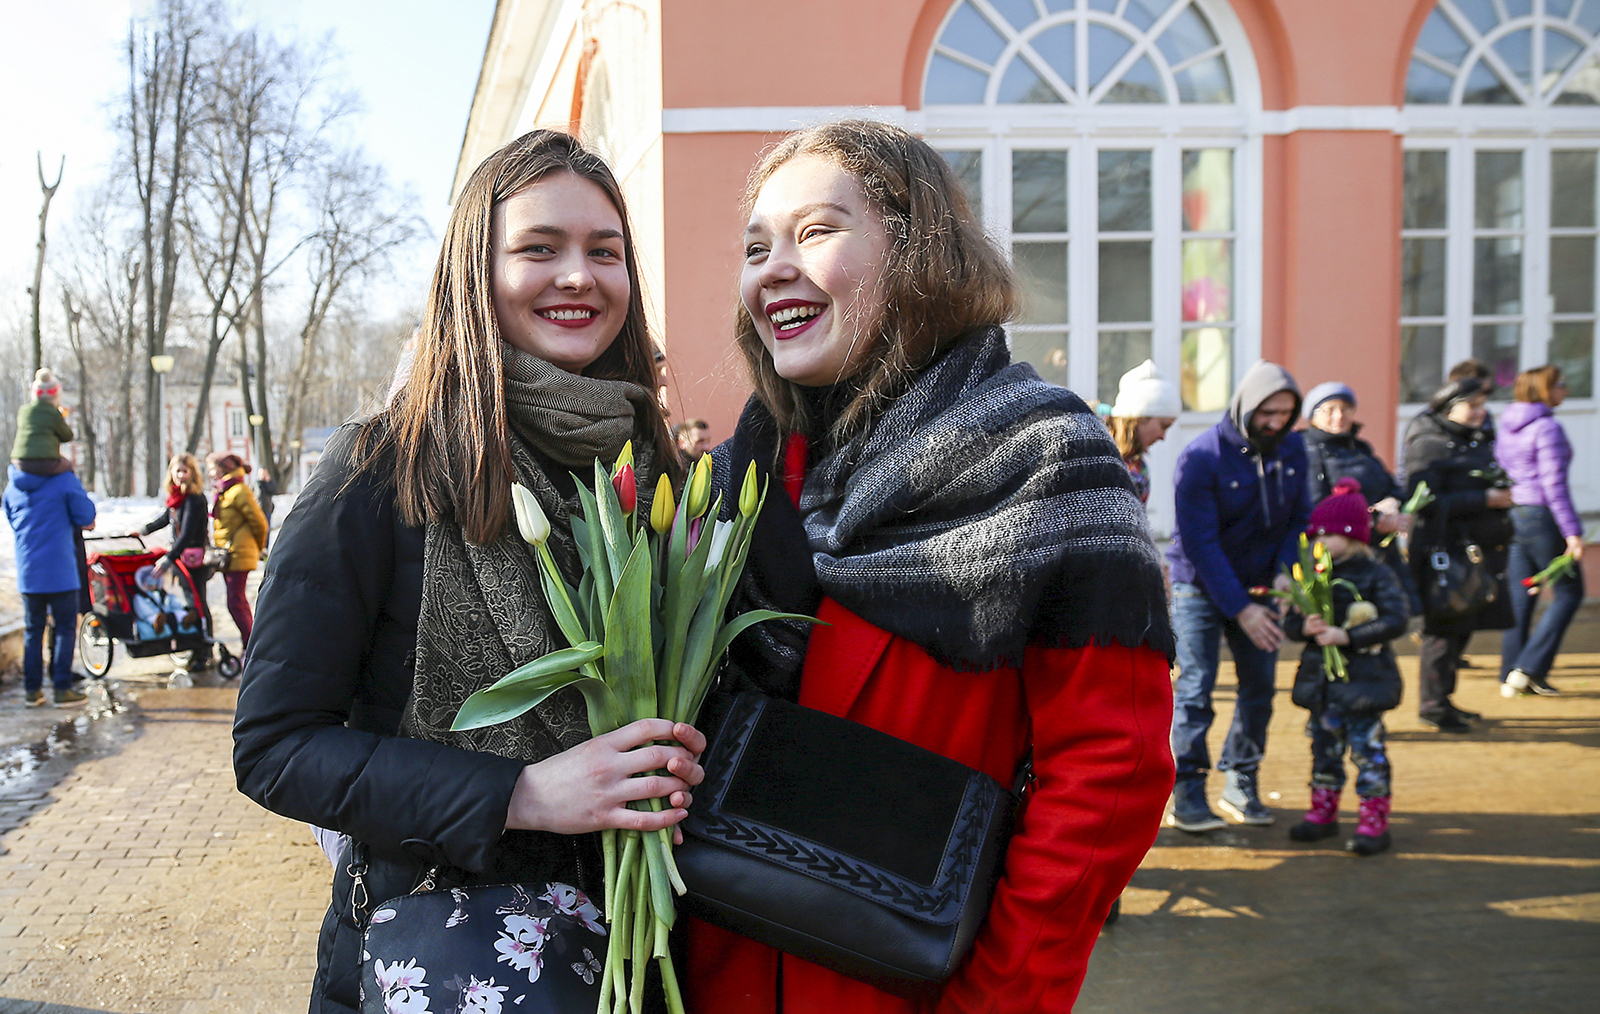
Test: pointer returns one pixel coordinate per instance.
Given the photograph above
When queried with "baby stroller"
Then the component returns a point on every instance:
(148, 620)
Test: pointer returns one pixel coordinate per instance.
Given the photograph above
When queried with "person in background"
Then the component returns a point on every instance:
(1449, 449)
(42, 429)
(266, 489)
(239, 526)
(1334, 451)
(1147, 405)
(44, 511)
(1347, 714)
(693, 438)
(1241, 505)
(1534, 451)
(187, 515)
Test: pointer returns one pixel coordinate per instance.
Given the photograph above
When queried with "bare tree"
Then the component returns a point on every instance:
(361, 222)
(38, 264)
(85, 427)
(162, 80)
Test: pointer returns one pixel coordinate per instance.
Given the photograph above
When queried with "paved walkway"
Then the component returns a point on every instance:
(144, 884)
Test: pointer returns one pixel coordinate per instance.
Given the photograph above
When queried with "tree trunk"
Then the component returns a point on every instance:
(85, 425)
(38, 263)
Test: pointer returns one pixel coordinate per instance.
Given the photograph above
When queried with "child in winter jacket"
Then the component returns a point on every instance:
(42, 429)
(1348, 714)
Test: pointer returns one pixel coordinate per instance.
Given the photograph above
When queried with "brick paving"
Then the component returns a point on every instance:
(143, 883)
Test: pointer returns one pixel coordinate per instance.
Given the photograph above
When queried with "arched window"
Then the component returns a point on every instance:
(1499, 224)
(1108, 143)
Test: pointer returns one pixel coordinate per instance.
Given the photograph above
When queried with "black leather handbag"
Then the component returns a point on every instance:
(1459, 584)
(842, 845)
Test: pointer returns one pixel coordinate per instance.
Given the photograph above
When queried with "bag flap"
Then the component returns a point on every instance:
(847, 805)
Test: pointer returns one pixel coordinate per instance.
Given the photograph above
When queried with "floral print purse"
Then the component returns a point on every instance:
(484, 950)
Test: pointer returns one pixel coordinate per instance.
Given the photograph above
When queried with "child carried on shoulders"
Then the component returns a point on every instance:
(1347, 715)
(42, 429)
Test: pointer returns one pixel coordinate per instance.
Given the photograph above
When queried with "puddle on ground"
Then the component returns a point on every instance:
(30, 769)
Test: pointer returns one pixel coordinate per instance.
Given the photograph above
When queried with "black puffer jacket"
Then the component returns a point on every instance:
(1374, 680)
(189, 520)
(1334, 456)
(326, 678)
(1446, 454)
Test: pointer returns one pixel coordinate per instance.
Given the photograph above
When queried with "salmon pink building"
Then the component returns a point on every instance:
(1364, 190)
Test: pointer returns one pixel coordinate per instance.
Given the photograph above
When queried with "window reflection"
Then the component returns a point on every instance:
(1206, 369)
(1118, 352)
(1046, 350)
(1124, 191)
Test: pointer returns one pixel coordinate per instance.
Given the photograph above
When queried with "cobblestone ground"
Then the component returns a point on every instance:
(144, 884)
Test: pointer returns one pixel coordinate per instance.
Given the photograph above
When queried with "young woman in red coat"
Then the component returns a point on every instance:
(972, 539)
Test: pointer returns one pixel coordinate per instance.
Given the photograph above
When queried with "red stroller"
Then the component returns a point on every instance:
(115, 595)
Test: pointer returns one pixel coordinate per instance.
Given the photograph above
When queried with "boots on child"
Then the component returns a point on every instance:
(1372, 834)
(1322, 820)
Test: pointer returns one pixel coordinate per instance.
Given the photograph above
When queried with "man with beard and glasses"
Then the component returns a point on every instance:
(1241, 506)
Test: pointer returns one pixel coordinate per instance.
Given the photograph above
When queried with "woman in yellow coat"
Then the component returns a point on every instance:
(240, 527)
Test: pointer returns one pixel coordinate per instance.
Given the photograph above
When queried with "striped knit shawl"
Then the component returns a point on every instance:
(983, 511)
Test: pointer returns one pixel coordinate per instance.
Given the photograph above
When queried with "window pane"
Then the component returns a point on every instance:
(1020, 13)
(1427, 190)
(968, 167)
(1480, 12)
(1583, 88)
(1106, 47)
(1039, 191)
(1572, 273)
(1499, 190)
(1022, 84)
(1207, 280)
(1572, 189)
(1042, 273)
(1559, 51)
(1572, 349)
(1120, 351)
(1440, 38)
(1500, 346)
(1208, 190)
(1206, 369)
(1422, 278)
(1144, 13)
(1497, 276)
(1484, 88)
(1125, 281)
(1421, 362)
(953, 84)
(1058, 47)
(1141, 83)
(1516, 50)
(1425, 84)
(1124, 191)
(1206, 81)
(970, 33)
(1187, 35)
(1046, 350)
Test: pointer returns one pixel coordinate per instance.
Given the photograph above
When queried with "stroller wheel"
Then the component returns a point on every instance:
(229, 665)
(94, 644)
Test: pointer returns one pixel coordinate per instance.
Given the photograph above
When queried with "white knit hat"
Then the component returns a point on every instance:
(45, 382)
(1144, 392)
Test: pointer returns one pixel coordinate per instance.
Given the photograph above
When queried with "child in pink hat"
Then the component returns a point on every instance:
(1369, 611)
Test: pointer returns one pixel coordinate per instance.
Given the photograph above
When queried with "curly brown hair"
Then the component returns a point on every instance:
(943, 276)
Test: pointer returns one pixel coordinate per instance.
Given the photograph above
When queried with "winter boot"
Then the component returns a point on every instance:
(1241, 800)
(1322, 820)
(1372, 834)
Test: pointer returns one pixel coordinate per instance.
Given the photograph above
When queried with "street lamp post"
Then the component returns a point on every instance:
(256, 419)
(162, 365)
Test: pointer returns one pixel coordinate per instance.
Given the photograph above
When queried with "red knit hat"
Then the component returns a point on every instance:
(1342, 513)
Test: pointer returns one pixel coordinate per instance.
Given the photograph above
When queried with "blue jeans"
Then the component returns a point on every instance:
(63, 606)
(1200, 627)
(1538, 541)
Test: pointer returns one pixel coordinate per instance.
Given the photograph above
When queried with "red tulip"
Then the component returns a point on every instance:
(627, 488)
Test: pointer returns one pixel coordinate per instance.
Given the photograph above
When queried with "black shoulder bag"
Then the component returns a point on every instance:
(841, 844)
(1459, 584)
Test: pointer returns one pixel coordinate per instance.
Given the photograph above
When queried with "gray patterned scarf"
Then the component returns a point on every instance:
(483, 611)
(984, 511)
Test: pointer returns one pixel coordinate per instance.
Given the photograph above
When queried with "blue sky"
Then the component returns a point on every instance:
(414, 63)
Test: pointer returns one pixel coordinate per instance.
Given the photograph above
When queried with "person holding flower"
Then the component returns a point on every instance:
(971, 539)
(1369, 610)
(1533, 450)
(400, 583)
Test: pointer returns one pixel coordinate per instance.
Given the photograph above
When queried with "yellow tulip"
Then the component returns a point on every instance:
(749, 495)
(625, 458)
(662, 508)
(698, 496)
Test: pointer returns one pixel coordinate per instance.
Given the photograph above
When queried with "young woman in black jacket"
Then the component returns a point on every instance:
(190, 519)
(398, 585)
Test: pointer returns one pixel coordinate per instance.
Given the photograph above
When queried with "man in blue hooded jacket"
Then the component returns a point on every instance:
(44, 511)
(1242, 502)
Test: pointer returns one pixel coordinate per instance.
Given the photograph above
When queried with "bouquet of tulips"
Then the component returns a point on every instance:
(1559, 568)
(1311, 584)
(645, 630)
(1420, 497)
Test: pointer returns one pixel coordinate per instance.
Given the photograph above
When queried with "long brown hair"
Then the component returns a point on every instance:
(1536, 384)
(1125, 434)
(943, 276)
(196, 483)
(446, 424)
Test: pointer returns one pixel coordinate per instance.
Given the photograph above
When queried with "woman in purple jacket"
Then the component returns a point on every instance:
(1533, 449)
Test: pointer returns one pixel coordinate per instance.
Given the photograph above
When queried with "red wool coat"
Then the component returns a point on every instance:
(1098, 719)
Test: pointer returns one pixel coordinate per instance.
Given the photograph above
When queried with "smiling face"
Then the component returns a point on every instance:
(560, 274)
(813, 271)
(1335, 416)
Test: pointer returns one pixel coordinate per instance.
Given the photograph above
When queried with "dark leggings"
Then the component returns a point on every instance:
(1440, 656)
(238, 605)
